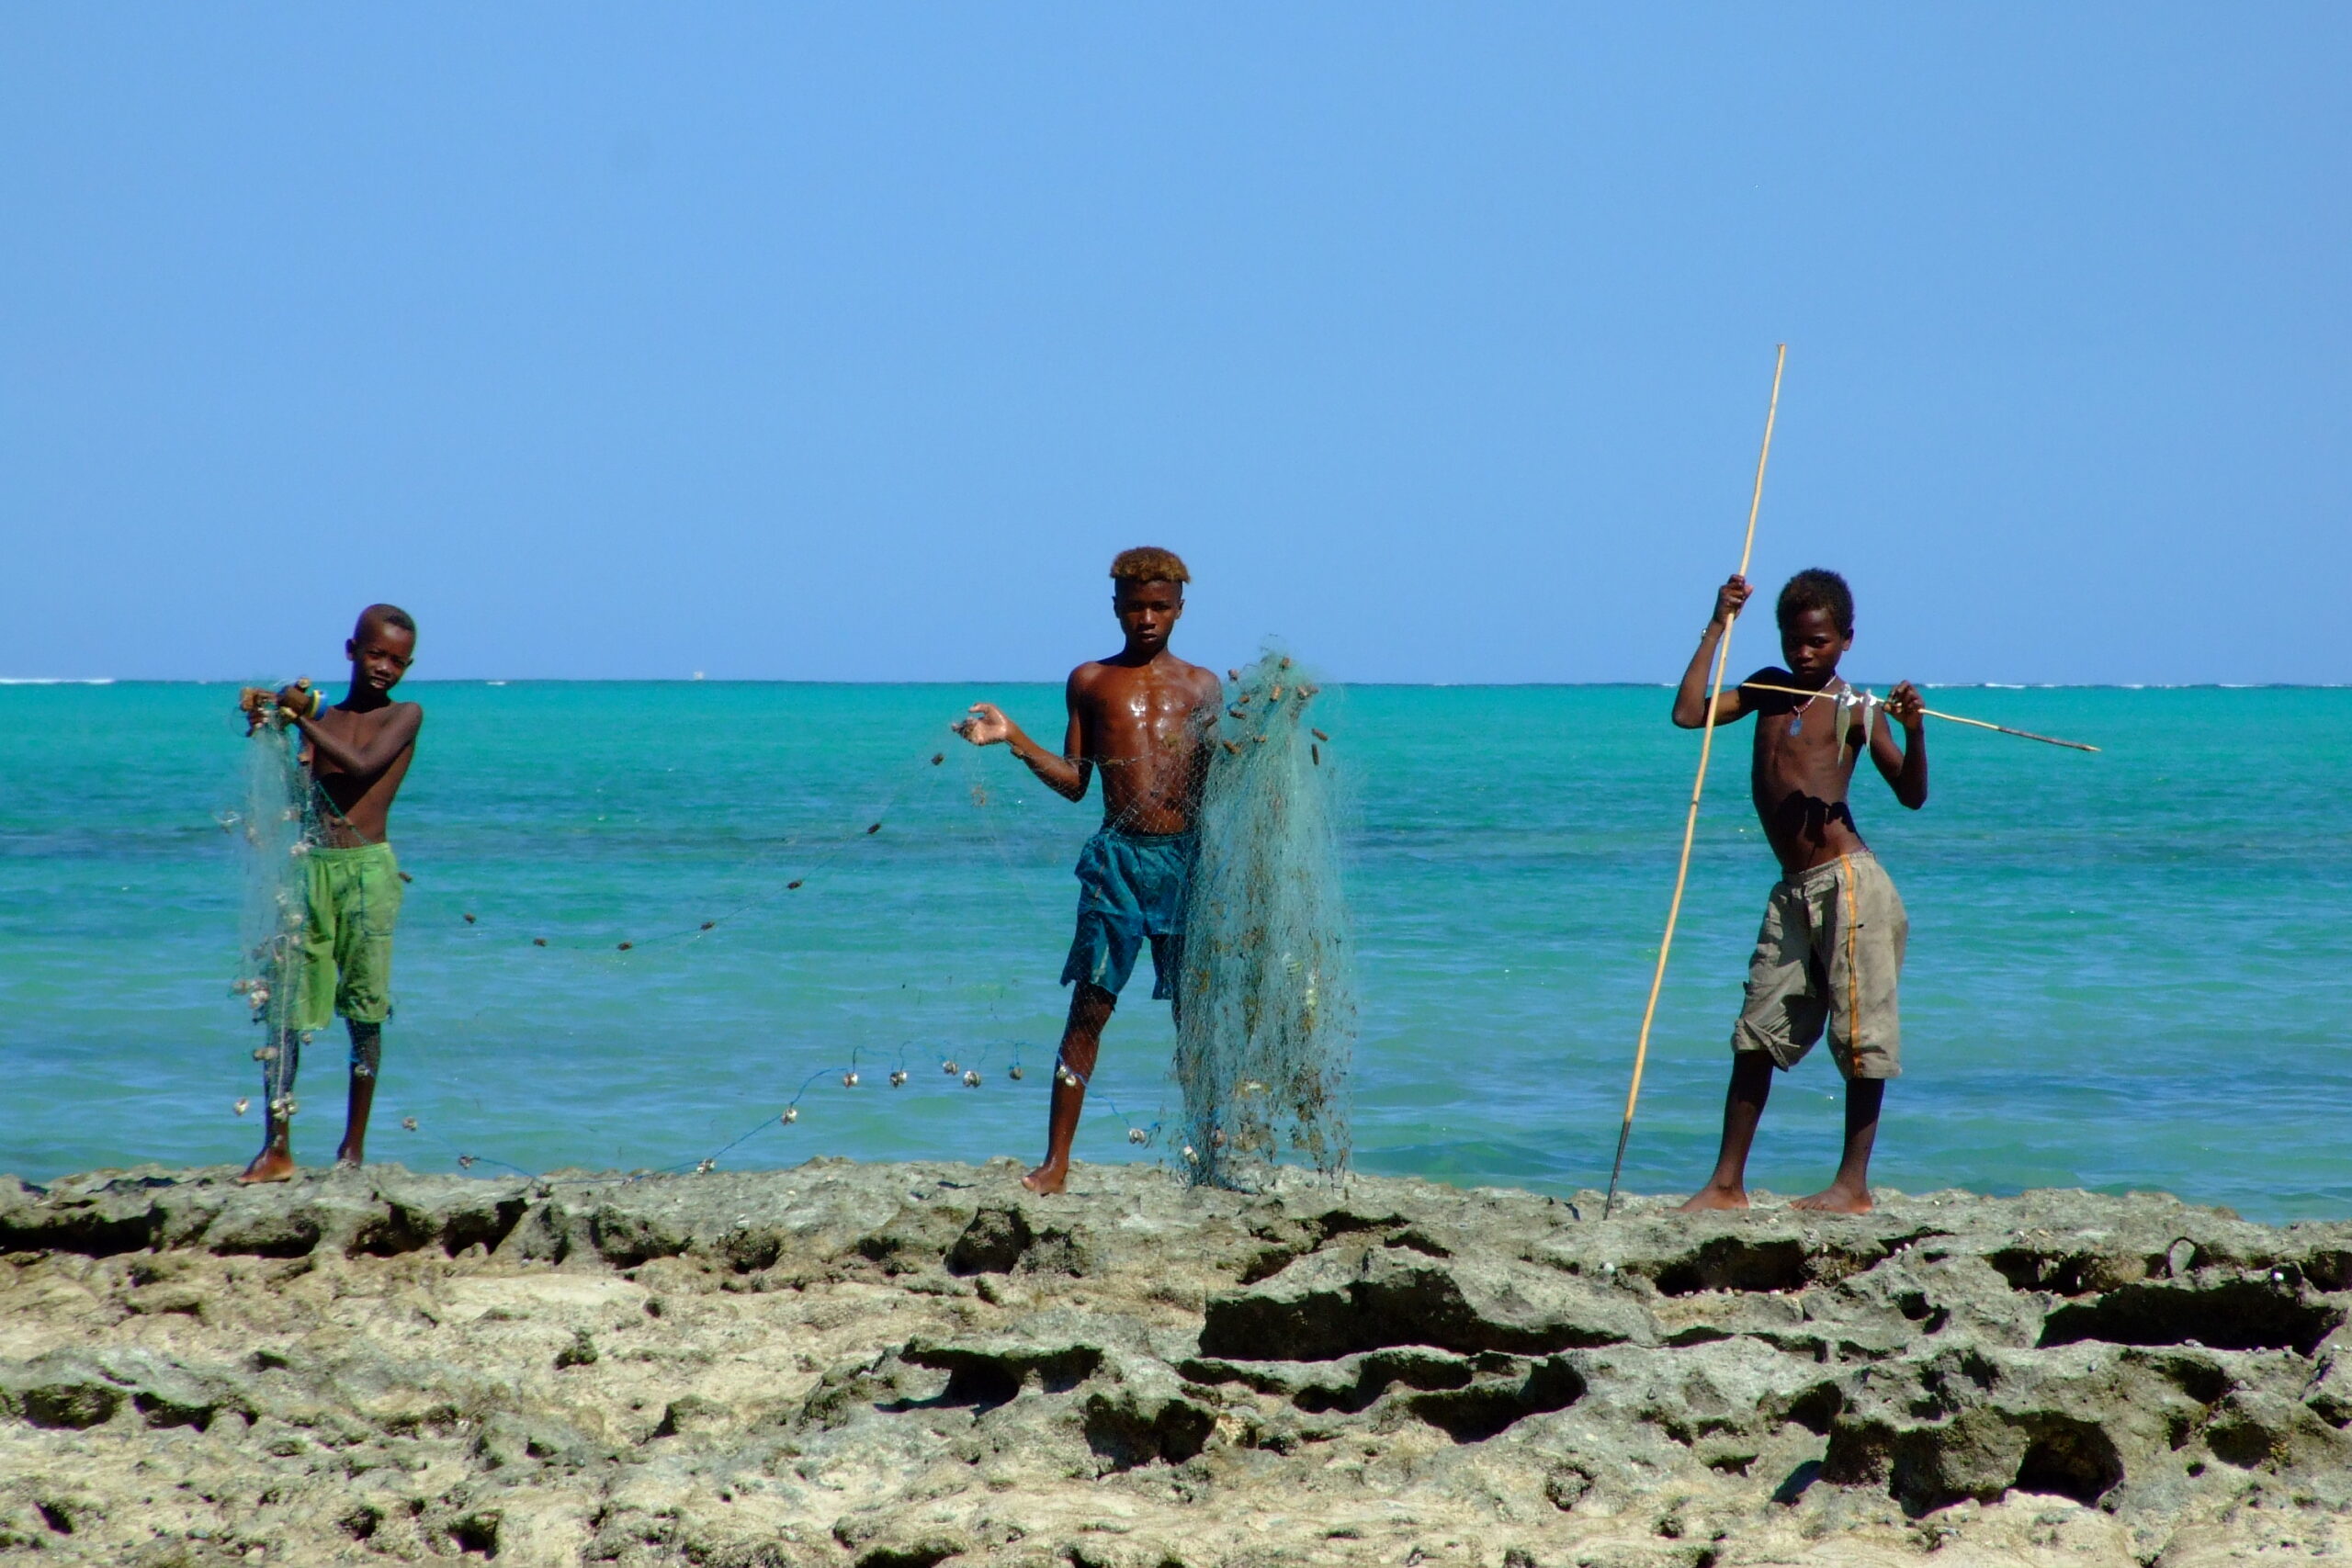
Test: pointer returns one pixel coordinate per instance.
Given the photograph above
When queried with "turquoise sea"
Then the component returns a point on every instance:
(2127, 970)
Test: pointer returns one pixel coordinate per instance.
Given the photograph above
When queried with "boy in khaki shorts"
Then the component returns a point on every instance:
(1830, 953)
(358, 750)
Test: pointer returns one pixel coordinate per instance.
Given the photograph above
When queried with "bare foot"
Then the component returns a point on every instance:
(1713, 1197)
(1047, 1178)
(273, 1164)
(1835, 1200)
(349, 1159)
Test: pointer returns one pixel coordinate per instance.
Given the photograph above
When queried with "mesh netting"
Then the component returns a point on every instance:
(1269, 1013)
(274, 829)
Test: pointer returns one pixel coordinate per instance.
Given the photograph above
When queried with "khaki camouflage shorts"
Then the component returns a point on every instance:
(1830, 953)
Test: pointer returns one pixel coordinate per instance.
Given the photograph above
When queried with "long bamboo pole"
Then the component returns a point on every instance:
(1698, 787)
(1931, 713)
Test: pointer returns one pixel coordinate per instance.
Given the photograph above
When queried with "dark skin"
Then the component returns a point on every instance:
(1800, 781)
(1142, 717)
(358, 750)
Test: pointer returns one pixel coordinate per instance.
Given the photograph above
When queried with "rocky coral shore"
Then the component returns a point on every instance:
(895, 1365)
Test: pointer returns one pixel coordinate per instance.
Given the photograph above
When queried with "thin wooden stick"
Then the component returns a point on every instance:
(1931, 713)
(1698, 787)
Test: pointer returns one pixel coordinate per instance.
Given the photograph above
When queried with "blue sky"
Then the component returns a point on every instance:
(849, 341)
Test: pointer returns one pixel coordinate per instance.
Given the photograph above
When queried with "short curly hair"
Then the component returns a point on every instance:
(1149, 563)
(1817, 588)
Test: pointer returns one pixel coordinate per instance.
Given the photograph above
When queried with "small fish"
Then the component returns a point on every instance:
(873, 829)
(1320, 735)
(1275, 695)
(938, 758)
(707, 925)
(539, 942)
(1314, 755)
(627, 945)
(794, 882)
(469, 917)
(406, 877)
(1230, 747)
(243, 1105)
(408, 1123)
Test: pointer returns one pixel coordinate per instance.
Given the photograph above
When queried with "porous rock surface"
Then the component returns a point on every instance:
(891, 1366)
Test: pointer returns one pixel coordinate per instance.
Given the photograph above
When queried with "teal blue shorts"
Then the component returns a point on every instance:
(1131, 891)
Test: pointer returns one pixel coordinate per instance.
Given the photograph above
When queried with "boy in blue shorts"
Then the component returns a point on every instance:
(1142, 716)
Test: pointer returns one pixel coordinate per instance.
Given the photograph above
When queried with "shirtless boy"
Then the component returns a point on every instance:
(1143, 716)
(358, 752)
(1831, 948)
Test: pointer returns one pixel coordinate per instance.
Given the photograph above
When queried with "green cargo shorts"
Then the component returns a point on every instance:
(1830, 952)
(354, 897)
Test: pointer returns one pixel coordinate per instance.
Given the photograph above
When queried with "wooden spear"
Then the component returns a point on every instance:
(1931, 713)
(1698, 786)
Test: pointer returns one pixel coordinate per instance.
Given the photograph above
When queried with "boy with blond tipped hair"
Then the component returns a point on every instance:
(1142, 716)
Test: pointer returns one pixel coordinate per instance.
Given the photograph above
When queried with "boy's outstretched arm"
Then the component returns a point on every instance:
(1066, 774)
(362, 761)
(1691, 697)
(1903, 767)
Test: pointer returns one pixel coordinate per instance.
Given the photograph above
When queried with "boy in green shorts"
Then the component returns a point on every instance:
(357, 751)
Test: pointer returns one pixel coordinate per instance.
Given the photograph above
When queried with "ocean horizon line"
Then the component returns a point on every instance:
(955, 681)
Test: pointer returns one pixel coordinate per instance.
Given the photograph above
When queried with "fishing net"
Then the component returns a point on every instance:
(1269, 1011)
(275, 829)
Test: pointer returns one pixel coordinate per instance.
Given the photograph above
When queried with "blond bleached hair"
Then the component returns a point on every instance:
(1149, 563)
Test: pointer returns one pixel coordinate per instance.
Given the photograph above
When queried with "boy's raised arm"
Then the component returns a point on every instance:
(1903, 767)
(1691, 697)
(1066, 774)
